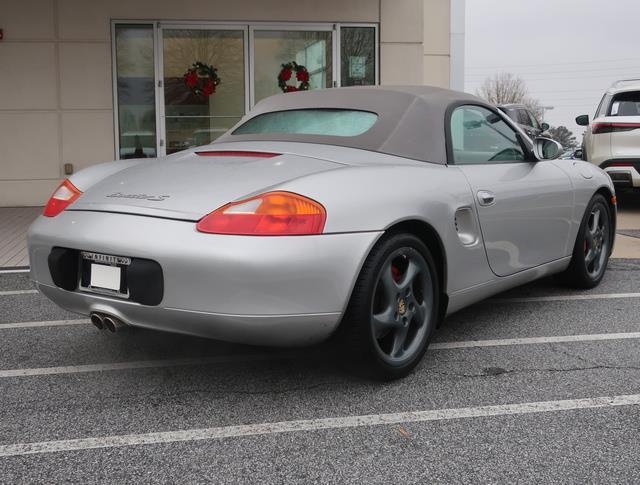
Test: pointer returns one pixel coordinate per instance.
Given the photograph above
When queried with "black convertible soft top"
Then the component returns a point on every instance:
(411, 119)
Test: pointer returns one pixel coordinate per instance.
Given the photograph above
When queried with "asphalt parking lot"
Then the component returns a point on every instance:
(538, 384)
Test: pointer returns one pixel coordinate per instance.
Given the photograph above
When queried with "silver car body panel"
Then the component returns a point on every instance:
(168, 188)
(529, 220)
(294, 290)
(244, 285)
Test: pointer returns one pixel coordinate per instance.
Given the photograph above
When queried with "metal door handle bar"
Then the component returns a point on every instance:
(486, 198)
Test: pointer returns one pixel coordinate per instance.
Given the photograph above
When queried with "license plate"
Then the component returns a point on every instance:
(105, 277)
(104, 273)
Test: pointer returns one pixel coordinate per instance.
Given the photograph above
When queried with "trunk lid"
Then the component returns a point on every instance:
(189, 186)
(625, 142)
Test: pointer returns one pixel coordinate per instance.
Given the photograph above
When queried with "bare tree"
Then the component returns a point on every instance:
(505, 88)
(535, 106)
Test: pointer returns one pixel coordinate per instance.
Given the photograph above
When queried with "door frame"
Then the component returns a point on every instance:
(248, 29)
(114, 79)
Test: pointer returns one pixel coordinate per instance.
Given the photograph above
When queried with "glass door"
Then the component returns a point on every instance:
(203, 81)
(275, 46)
(179, 85)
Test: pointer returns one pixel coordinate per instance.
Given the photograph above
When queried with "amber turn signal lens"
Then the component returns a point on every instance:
(63, 197)
(270, 214)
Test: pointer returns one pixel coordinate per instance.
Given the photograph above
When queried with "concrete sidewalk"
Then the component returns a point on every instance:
(14, 222)
(628, 237)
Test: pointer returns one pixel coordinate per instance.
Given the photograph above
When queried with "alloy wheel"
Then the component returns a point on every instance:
(596, 242)
(402, 306)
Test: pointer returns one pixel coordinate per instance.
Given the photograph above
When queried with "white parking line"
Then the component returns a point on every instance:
(46, 323)
(595, 296)
(20, 449)
(18, 292)
(143, 364)
(534, 340)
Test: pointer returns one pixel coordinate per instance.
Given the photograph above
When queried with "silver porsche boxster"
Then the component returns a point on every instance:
(367, 213)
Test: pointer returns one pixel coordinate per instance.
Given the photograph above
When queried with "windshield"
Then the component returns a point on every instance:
(328, 122)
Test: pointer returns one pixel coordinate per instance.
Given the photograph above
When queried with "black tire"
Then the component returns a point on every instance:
(395, 307)
(592, 248)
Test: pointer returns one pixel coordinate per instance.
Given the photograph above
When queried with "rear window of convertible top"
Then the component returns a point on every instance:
(328, 122)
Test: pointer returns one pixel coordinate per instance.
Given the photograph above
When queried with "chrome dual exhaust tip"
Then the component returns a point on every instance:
(107, 322)
(113, 324)
(97, 320)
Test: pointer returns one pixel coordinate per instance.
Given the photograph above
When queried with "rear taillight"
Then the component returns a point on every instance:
(599, 128)
(619, 164)
(270, 214)
(63, 197)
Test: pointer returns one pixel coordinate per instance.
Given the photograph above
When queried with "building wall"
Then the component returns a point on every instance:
(457, 44)
(56, 102)
(436, 43)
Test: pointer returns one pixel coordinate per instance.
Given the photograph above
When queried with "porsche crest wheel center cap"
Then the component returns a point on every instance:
(402, 306)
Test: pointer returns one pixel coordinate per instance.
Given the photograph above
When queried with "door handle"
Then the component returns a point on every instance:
(486, 198)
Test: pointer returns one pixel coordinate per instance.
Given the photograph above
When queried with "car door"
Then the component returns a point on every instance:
(524, 206)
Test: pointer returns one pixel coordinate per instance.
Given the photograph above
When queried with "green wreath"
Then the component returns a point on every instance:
(286, 73)
(201, 79)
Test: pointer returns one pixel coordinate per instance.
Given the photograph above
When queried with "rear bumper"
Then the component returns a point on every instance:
(275, 330)
(622, 176)
(256, 290)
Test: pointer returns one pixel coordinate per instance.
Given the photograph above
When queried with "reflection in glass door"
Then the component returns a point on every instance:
(275, 46)
(358, 55)
(134, 79)
(196, 111)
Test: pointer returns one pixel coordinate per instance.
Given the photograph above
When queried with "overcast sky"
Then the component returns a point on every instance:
(567, 51)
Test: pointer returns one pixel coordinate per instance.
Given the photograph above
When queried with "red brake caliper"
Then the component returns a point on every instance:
(395, 273)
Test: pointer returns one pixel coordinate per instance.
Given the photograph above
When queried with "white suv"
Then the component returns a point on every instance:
(612, 140)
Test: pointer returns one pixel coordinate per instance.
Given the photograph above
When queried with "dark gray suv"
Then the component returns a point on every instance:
(524, 118)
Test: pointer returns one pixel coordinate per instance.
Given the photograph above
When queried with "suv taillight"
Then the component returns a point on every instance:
(619, 164)
(599, 128)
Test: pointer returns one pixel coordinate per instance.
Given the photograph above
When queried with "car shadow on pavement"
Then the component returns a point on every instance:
(323, 362)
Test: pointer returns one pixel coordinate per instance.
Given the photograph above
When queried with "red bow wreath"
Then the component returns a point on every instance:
(286, 73)
(201, 79)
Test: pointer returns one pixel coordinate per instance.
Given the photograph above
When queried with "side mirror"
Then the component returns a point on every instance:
(546, 148)
(582, 120)
(544, 126)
